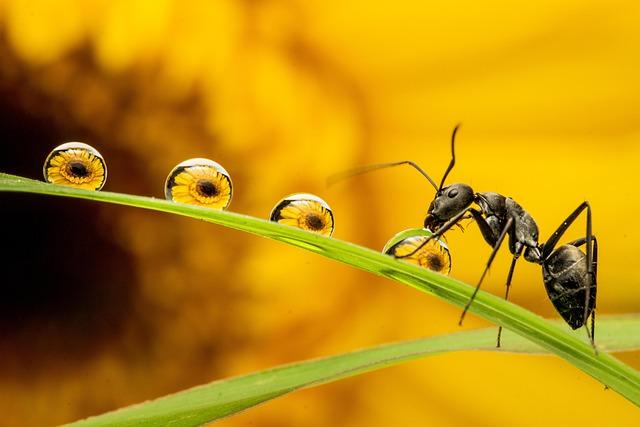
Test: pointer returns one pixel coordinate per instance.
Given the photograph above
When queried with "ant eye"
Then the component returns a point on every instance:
(453, 193)
(75, 164)
(304, 211)
(200, 182)
(409, 245)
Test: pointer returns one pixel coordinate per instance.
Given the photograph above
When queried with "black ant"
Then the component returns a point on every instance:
(569, 274)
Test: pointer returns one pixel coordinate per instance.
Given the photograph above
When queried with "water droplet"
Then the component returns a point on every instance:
(304, 211)
(75, 164)
(409, 245)
(200, 182)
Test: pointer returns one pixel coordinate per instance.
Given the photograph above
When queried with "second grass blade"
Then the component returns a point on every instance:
(222, 398)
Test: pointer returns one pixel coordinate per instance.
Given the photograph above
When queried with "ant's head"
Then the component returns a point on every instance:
(449, 201)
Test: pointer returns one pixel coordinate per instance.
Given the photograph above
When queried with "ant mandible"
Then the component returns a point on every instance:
(569, 274)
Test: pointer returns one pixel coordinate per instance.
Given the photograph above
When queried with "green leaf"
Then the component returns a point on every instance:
(226, 397)
(602, 366)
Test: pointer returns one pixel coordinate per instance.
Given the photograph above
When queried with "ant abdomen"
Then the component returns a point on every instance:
(566, 278)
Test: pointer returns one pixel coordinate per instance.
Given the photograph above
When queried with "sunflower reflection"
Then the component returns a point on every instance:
(305, 211)
(199, 182)
(75, 164)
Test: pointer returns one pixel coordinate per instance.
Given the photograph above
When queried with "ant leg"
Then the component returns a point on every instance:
(578, 242)
(594, 284)
(550, 244)
(453, 221)
(505, 230)
(485, 229)
(548, 247)
(506, 293)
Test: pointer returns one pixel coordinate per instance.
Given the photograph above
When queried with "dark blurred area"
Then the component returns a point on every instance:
(68, 289)
(71, 289)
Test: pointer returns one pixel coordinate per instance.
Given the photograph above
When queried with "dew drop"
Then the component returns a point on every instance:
(75, 164)
(305, 211)
(200, 182)
(409, 245)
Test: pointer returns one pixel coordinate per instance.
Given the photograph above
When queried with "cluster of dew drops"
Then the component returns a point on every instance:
(203, 182)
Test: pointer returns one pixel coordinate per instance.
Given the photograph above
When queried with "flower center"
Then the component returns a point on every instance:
(206, 188)
(434, 261)
(77, 168)
(314, 221)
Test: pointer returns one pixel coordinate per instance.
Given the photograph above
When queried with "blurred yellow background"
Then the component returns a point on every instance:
(283, 94)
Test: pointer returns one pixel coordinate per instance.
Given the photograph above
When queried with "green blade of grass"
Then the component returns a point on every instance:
(226, 397)
(601, 366)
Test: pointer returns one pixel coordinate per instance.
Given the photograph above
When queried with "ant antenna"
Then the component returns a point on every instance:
(365, 169)
(453, 156)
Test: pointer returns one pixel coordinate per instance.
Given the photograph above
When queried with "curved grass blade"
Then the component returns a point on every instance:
(222, 398)
(605, 368)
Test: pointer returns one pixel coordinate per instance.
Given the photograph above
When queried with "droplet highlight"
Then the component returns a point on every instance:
(305, 211)
(75, 164)
(200, 182)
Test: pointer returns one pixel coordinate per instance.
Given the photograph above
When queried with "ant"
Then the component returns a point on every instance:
(568, 273)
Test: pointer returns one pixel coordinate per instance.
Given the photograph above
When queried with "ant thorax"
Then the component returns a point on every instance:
(497, 208)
